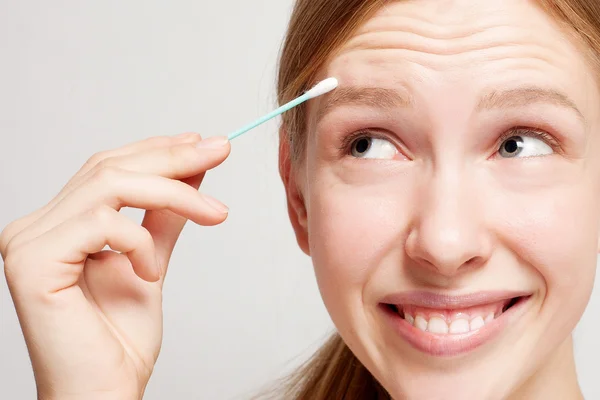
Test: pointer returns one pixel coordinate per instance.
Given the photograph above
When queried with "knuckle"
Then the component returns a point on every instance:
(9, 237)
(103, 215)
(182, 155)
(106, 174)
(173, 153)
(5, 238)
(15, 263)
(10, 248)
(195, 136)
(9, 268)
(97, 158)
(107, 162)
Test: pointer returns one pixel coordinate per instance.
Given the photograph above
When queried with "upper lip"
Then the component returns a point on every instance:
(444, 301)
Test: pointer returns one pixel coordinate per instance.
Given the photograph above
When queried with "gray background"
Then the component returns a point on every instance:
(76, 77)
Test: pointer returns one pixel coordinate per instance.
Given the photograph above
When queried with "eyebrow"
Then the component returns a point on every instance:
(391, 98)
(365, 96)
(520, 97)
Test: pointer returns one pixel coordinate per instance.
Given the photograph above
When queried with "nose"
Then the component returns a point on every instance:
(448, 234)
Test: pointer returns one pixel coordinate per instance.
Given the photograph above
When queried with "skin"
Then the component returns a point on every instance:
(448, 214)
(92, 318)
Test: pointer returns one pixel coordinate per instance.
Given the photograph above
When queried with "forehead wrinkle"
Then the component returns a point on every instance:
(373, 97)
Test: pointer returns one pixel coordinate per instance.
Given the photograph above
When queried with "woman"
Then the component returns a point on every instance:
(447, 193)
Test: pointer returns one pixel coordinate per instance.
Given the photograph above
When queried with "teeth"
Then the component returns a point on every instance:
(477, 323)
(421, 323)
(437, 325)
(460, 326)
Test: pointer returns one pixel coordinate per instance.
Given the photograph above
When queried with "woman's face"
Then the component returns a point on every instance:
(450, 195)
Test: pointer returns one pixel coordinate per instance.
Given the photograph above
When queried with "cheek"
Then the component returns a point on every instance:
(351, 229)
(557, 235)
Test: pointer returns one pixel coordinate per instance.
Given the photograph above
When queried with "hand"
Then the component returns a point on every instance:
(92, 318)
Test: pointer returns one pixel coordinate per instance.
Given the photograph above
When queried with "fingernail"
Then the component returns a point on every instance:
(216, 204)
(212, 143)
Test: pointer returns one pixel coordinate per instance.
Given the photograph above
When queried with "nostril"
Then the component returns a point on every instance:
(474, 262)
(448, 246)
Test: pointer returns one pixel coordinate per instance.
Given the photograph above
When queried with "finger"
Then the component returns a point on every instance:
(175, 162)
(153, 143)
(145, 145)
(150, 144)
(165, 227)
(54, 261)
(118, 188)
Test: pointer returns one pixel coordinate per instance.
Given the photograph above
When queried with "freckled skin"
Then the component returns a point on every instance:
(377, 227)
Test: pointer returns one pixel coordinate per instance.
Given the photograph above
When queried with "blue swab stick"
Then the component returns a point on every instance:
(319, 89)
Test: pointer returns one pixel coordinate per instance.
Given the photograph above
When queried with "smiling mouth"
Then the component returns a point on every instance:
(453, 321)
(449, 326)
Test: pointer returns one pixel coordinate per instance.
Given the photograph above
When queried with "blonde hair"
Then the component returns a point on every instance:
(317, 29)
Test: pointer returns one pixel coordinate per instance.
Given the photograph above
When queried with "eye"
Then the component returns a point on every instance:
(530, 144)
(370, 147)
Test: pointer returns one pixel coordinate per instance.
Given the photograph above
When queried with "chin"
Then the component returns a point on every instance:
(467, 386)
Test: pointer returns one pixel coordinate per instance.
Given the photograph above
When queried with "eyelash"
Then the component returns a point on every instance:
(346, 145)
(530, 132)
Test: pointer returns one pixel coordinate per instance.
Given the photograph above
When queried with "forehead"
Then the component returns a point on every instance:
(465, 47)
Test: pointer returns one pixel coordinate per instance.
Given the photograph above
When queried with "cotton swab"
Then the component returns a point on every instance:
(319, 89)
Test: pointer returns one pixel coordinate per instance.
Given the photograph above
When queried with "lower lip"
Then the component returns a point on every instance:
(449, 345)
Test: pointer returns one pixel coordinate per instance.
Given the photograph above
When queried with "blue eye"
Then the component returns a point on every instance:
(369, 147)
(524, 146)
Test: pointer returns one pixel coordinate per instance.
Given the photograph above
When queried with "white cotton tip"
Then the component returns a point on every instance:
(322, 87)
